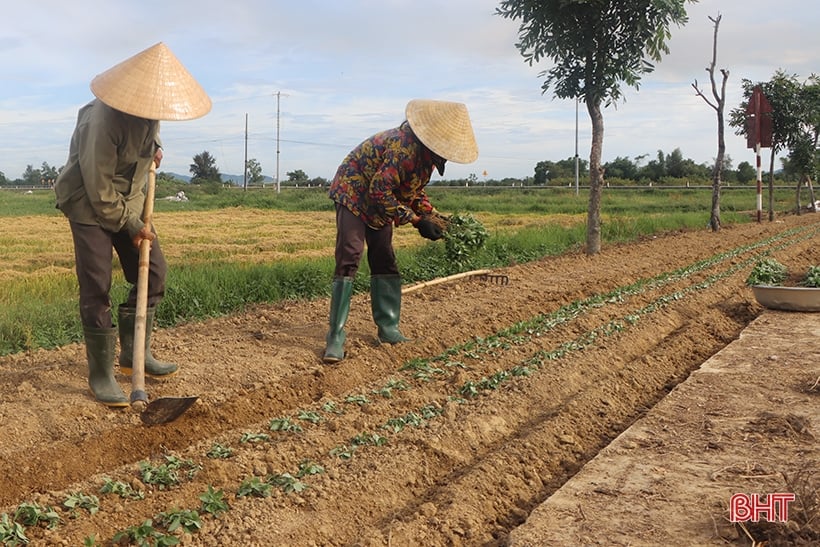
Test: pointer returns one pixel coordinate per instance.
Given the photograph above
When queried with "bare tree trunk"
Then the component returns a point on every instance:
(718, 105)
(797, 194)
(813, 206)
(714, 219)
(596, 179)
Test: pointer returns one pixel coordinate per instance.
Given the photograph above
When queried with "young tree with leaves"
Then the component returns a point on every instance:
(204, 169)
(254, 171)
(596, 46)
(794, 121)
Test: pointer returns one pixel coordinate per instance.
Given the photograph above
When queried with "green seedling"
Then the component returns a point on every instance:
(284, 424)
(167, 474)
(253, 486)
(343, 452)
(78, 500)
(308, 467)
(12, 533)
(287, 482)
(357, 399)
(332, 407)
(310, 416)
(248, 437)
(33, 514)
(144, 535)
(372, 439)
(387, 390)
(219, 452)
(213, 501)
(121, 489)
(186, 520)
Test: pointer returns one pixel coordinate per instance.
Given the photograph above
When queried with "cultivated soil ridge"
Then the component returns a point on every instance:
(504, 393)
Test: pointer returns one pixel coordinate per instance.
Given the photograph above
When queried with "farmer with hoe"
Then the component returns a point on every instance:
(102, 191)
(380, 184)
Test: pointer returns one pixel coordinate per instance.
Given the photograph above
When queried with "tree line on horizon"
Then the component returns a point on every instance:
(671, 168)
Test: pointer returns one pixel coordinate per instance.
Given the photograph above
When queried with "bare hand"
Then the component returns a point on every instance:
(144, 234)
(158, 157)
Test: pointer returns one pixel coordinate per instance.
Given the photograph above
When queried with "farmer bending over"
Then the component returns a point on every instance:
(101, 190)
(381, 184)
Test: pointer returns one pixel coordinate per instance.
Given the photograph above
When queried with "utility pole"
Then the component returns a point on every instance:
(245, 170)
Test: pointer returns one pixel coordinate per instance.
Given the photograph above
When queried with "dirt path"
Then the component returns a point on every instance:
(452, 439)
(744, 422)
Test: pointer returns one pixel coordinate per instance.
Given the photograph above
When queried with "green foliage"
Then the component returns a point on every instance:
(144, 535)
(42, 311)
(121, 489)
(360, 400)
(812, 277)
(180, 519)
(310, 416)
(767, 271)
(309, 467)
(628, 37)
(253, 486)
(219, 451)
(77, 500)
(204, 169)
(464, 236)
(12, 533)
(213, 501)
(33, 514)
(252, 438)
(287, 483)
(167, 474)
(284, 424)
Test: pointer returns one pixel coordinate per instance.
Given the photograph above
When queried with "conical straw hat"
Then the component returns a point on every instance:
(444, 127)
(154, 85)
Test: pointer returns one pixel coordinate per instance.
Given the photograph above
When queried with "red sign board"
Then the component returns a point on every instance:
(758, 120)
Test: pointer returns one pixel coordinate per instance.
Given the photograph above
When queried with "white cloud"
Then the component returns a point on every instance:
(346, 69)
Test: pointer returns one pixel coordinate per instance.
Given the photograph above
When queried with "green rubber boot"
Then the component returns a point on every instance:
(126, 317)
(341, 291)
(385, 302)
(100, 345)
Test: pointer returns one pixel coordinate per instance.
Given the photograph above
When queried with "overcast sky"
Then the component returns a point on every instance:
(345, 69)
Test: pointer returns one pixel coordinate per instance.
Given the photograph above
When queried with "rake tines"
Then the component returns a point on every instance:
(497, 279)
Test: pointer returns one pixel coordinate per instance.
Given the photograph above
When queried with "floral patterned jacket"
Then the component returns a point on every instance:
(382, 180)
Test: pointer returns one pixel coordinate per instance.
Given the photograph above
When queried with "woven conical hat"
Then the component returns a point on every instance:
(154, 85)
(444, 127)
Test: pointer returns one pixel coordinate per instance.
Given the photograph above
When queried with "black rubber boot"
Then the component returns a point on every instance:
(341, 291)
(100, 345)
(385, 302)
(126, 317)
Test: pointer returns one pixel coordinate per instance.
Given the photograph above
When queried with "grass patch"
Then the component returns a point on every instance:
(229, 271)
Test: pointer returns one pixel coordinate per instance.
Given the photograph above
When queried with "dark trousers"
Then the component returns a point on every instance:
(93, 257)
(351, 236)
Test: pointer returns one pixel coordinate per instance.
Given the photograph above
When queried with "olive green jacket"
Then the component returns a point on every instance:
(104, 180)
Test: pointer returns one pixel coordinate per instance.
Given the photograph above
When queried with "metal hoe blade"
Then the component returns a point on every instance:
(166, 409)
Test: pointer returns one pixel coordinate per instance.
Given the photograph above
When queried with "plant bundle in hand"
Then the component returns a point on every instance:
(463, 237)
